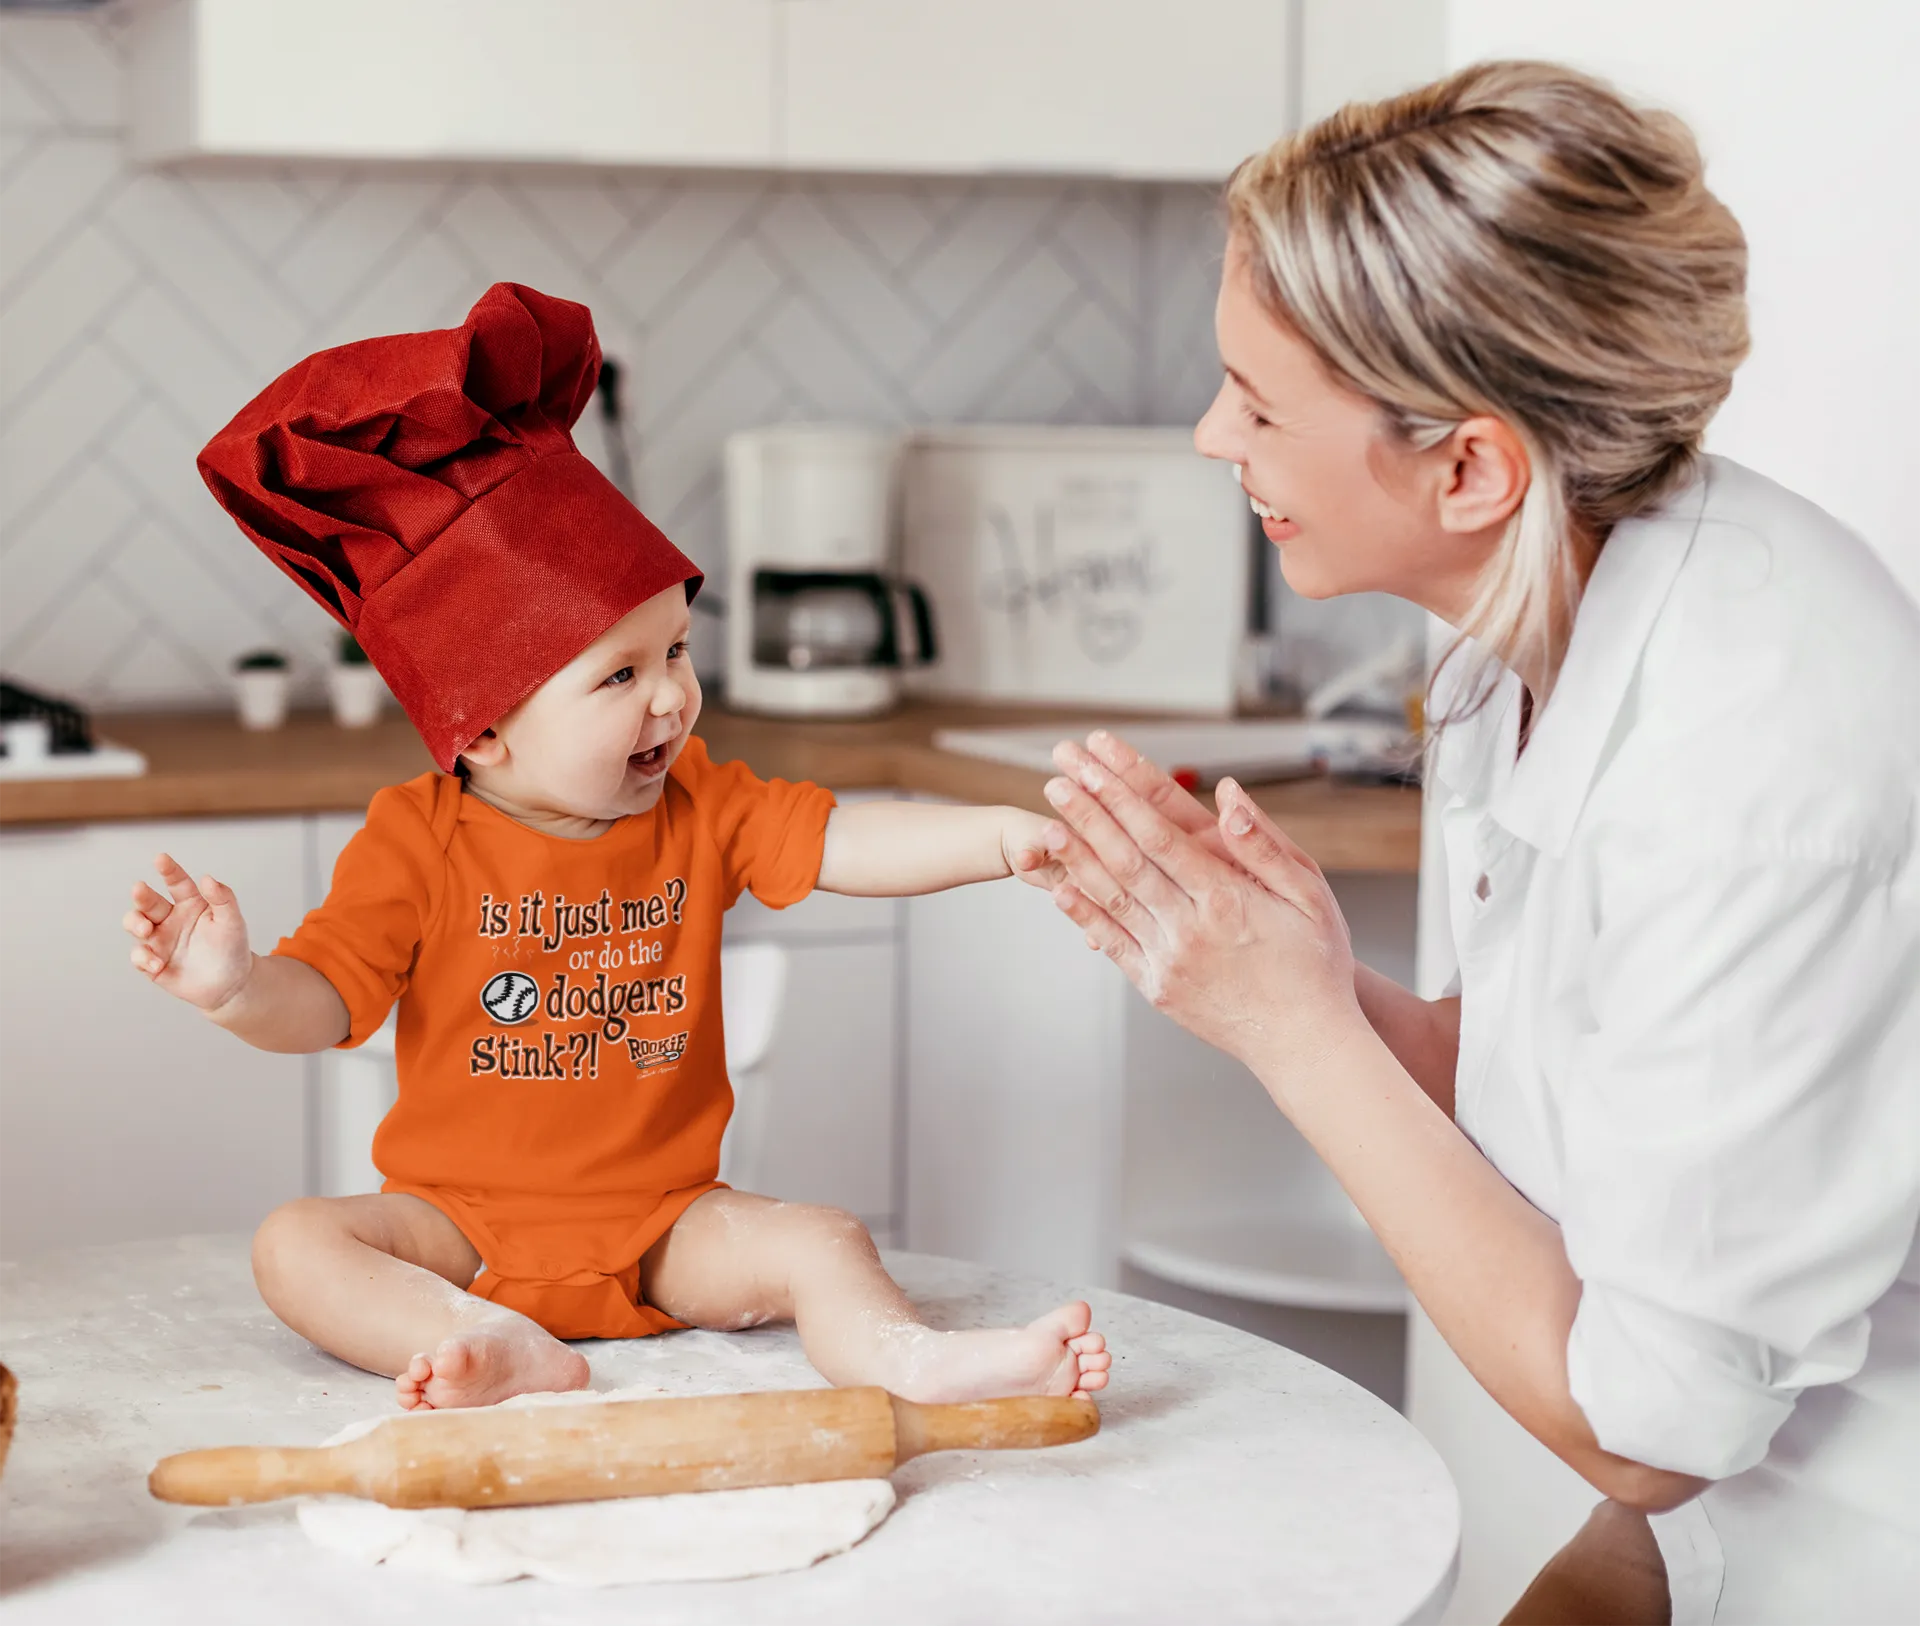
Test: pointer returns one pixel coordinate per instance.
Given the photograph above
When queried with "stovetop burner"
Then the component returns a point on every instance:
(66, 723)
(42, 737)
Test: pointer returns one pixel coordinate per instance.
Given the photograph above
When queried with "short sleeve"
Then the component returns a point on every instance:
(364, 937)
(770, 832)
(1742, 1141)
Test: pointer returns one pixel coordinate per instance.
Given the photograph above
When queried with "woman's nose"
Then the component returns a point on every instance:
(1214, 435)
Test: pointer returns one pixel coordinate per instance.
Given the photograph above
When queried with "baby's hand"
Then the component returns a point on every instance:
(1022, 844)
(194, 947)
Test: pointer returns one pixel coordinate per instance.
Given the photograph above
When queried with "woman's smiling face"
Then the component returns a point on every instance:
(1350, 506)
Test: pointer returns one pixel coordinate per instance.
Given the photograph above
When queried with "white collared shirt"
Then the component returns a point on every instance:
(1688, 927)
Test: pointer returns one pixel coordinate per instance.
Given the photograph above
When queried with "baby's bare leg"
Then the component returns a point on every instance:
(381, 1281)
(735, 1260)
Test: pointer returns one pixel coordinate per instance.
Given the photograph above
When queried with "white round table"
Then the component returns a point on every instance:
(1232, 1480)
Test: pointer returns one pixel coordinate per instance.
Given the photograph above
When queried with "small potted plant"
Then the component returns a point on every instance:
(353, 685)
(260, 680)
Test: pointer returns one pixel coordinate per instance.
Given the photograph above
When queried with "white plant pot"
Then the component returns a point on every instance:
(357, 693)
(262, 698)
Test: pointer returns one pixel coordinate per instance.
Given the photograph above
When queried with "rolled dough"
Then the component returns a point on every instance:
(711, 1536)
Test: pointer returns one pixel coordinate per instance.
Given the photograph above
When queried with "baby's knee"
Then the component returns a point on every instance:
(820, 1224)
(287, 1236)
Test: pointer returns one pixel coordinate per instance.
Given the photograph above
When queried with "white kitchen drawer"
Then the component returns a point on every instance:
(123, 1113)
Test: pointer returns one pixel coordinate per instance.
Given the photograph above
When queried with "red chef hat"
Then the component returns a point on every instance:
(425, 490)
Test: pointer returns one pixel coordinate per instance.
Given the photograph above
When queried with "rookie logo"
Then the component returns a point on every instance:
(510, 997)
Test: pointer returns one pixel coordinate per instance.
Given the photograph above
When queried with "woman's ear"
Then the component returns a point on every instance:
(1486, 477)
(488, 751)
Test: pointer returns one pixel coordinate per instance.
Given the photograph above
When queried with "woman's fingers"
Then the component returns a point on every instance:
(1149, 782)
(1103, 933)
(1262, 848)
(1119, 874)
(1161, 845)
(1079, 865)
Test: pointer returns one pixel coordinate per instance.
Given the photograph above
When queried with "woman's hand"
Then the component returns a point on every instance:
(1223, 923)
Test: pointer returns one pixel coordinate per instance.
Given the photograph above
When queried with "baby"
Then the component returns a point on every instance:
(547, 909)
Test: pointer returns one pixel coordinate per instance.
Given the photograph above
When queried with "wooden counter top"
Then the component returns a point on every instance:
(204, 765)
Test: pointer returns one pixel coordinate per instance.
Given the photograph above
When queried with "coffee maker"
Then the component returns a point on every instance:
(818, 625)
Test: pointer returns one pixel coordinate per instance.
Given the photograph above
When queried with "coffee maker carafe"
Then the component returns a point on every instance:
(817, 624)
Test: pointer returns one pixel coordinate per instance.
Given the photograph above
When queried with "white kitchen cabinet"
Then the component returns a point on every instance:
(1148, 89)
(1145, 88)
(827, 1135)
(665, 82)
(1057, 1125)
(1014, 1043)
(829, 1086)
(123, 1113)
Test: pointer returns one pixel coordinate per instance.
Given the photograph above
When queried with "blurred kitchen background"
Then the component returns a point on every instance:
(143, 303)
(985, 233)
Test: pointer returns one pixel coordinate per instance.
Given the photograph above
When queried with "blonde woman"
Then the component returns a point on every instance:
(1654, 1171)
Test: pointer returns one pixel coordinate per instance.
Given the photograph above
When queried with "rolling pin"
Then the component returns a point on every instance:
(515, 1456)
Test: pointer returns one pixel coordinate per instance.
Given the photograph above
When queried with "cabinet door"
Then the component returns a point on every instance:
(123, 1113)
(827, 1132)
(579, 81)
(1013, 1086)
(1154, 89)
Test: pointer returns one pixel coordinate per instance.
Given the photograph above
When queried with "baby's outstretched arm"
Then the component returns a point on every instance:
(902, 849)
(195, 947)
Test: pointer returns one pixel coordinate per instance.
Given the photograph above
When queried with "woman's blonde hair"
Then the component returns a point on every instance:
(1514, 240)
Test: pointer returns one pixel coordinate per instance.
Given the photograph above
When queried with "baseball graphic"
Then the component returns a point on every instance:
(510, 997)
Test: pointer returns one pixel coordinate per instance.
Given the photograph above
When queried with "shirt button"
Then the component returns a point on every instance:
(1482, 888)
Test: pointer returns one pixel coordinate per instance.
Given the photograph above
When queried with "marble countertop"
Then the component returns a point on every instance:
(1232, 1480)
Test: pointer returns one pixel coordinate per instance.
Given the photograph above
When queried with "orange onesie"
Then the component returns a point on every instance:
(563, 1081)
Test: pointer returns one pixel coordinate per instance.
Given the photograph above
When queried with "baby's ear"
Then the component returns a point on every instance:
(488, 751)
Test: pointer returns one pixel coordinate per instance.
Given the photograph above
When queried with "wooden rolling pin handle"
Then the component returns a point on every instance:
(246, 1473)
(1023, 1423)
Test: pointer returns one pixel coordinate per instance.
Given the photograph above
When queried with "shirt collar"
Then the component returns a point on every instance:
(1548, 787)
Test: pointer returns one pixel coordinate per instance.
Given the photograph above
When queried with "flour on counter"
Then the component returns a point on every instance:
(705, 1536)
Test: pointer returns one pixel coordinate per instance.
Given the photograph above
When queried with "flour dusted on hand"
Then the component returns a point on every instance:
(706, 1536)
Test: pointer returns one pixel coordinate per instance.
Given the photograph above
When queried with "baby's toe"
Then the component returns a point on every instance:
(452, 1361)
(1088, 1343)
(1067, 1323)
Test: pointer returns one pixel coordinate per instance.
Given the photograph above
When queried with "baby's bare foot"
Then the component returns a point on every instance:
(478, 1368)
(1057, 1355)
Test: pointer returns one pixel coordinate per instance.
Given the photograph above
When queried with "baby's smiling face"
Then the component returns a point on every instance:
(594, 742)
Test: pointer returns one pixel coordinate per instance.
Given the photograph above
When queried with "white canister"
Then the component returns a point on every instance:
(262, 696)
(28, 740)
(357, 693)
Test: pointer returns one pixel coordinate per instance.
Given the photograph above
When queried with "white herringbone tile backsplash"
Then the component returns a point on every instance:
(140, 309)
